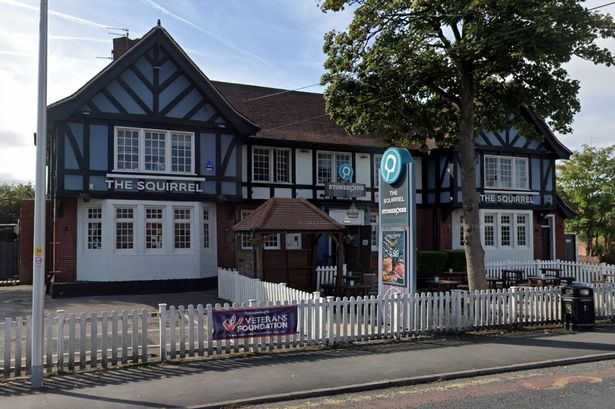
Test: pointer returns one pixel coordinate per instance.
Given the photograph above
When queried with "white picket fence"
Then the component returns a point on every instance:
(237, 288)
(79, 341)
(328, 321)
(326, 275)
(582, 272)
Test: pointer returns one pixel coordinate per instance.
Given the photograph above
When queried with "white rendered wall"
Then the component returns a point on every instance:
(303, 166)
(110, 264)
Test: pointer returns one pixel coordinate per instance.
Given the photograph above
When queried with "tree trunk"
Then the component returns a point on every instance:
(475, 255)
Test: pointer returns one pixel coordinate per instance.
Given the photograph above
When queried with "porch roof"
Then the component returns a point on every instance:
(291, 215)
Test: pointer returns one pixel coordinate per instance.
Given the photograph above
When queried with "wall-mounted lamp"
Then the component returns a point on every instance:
(364, 156)
(304, 150)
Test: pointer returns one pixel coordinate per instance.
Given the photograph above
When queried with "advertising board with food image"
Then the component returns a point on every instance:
(394, 258)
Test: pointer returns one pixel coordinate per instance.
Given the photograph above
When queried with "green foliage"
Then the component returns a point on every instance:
(429, 263)
(11, 196)
(404, 67)
(587, 183)
(455, 259)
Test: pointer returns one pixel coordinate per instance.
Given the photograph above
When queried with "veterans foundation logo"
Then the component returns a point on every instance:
(254, 322)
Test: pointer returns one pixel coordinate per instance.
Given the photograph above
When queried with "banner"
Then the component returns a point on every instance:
(254, 322)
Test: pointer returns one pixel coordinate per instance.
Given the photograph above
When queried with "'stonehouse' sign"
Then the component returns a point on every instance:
(397, 233)
(154, 186)
(345, 190)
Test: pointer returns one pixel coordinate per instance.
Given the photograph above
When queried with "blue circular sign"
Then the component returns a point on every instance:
(391, 165)
(345, 171)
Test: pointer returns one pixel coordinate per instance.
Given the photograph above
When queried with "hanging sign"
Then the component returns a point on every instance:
(397, 222)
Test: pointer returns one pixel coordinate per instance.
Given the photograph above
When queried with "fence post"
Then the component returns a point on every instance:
(329, 325)
(162, 325)
(60, 345)
(316, 295)
(457, 308)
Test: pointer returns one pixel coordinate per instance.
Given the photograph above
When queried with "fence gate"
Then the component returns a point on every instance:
(8, 260)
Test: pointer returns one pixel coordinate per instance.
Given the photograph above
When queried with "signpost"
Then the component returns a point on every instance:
(397, 233)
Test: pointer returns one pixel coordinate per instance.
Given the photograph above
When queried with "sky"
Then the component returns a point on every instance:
(273, 43)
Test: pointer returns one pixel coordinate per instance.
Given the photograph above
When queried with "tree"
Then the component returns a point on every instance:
(427, 69)
(11, 196)
(587, 183)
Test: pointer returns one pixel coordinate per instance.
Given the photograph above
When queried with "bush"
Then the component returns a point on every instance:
(430, 263)
(456, 259)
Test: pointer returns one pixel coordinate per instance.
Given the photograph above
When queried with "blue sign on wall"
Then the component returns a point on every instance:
(254, 322)
(345, 172)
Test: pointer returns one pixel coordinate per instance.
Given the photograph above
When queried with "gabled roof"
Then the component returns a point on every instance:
(292, 215)
(291, 115)
(563, 207)
(561, 151)
(157, 36)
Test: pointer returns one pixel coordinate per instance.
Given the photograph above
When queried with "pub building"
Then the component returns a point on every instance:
(151, 164)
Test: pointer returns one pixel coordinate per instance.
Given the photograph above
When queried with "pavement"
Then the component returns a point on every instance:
(16, 301)
(283, 376)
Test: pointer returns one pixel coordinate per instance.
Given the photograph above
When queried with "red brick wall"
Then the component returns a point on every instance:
(560, 243)
(424, 229)
(26, 240)
(226, 244)
(65, 240)
(537, 238)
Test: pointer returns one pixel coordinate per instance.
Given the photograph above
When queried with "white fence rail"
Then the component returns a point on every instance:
(327, 321)
(582, 272)
(78, 341)
(105, 340)
(236, 288)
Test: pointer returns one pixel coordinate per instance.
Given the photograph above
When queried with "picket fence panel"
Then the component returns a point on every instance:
(77, 342)
(582, 272)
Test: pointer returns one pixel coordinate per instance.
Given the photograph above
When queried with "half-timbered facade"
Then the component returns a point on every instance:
(152, 164)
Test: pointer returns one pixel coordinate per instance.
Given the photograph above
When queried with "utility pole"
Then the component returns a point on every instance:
(40, 207)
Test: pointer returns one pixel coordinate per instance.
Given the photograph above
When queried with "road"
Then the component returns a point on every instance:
(589, 385)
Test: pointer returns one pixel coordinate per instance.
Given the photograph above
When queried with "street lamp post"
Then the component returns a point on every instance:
(40, 205)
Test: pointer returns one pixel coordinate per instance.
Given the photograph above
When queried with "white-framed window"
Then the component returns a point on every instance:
(182, 226)
(154, 150)
(373, 221)
(489, 229)
(154, 222)
(94, 226)
(377, 159)
(462, 241)
(206, 229)
(271, 164)
(506, 229)
(506, 172)
(293, 241)
(327, 164)
(124, 228)
(245, 238)
(272, 242)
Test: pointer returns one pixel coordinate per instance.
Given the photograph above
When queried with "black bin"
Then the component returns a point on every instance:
(578, 309)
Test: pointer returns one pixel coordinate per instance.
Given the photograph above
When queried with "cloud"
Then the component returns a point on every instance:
(10, 138)
(63, 16)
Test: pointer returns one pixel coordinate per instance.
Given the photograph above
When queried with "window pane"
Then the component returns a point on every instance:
(325, 164)
(340, 159)
(181, 152)
(521, 230)
(489, 229)
(94, 228)
(127, 149)
(182, 229)
(461, 241)
(155, 151)
(505, 230)
(491, 171)
(272, 241)
(124, 228)
(282, 165)
(246, 243)
(521, 180)
(205, 228)
(377, 159)
(260, 160)
(506, 173)
(153, 228)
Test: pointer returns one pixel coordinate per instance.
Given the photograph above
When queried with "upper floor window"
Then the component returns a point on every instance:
(155, 151)
(504, 172)
(327, 164)
(271, 164)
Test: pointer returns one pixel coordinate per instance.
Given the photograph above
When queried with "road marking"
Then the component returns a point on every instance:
(559, 382)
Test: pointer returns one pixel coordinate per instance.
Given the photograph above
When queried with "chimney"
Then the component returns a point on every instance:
(121, 45)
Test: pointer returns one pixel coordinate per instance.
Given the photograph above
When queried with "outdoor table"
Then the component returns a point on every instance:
(544, 281)
(494, 281)
(442, 284)
(511, 277)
